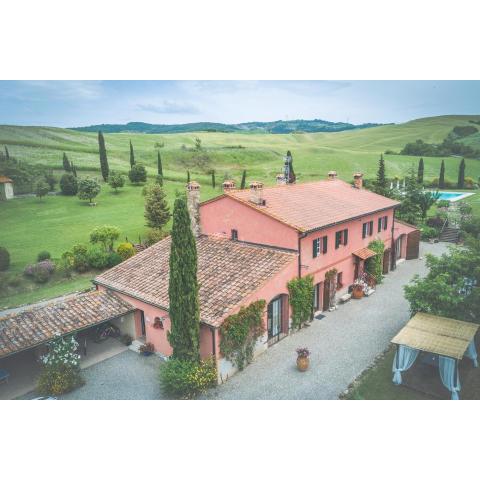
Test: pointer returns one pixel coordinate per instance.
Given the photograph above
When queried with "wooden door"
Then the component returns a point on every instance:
(326, 295)
(386, 261)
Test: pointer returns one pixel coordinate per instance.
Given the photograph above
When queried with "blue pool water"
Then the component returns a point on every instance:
(450, 196)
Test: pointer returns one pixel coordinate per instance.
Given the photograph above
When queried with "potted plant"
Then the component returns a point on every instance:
(126, 339)
(147, 349)
(302, 359)
(360, 286)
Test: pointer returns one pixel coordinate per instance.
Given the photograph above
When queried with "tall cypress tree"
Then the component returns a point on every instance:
(132, 155)
(420, 171)
(7, 153)
(184, 312)
(244, 179)
(159, 164)
(188, 176)
(103, 156)
(381, 182)
(441, 178)
(74, 170)
(461, 174)
(66, 164)
(213, 178)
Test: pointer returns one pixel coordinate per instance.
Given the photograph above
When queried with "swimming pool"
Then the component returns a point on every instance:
(453, 196)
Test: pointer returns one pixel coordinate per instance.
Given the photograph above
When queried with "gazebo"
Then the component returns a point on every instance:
(446, 338)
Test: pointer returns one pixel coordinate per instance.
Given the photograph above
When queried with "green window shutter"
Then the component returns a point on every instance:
(380, 224)
(325, 243)
(345, 236)
(338, 238)
(364, 230)
(315, 247)
(371, 228)
(385, 222)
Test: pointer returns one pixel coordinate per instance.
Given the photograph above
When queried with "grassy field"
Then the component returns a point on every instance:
(56, 223)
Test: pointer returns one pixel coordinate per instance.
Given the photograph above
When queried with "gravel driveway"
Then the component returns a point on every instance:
(343, 344)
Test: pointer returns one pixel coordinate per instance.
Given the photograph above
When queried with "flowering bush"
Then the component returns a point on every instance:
(61, 367)
(126, 250)
(41, 271)
(361, 283)
(303, 352)
(147, 348)
(185, 379)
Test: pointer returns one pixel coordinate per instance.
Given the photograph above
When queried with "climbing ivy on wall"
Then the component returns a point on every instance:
(240, 332)
(374, 265)
(301, 300)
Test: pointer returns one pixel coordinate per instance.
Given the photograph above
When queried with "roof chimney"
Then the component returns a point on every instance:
(193, 205)
(256, 193)
(332, 175)
(228, 185)
(358, 180)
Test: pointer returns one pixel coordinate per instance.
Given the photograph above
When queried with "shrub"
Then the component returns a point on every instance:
(41, 188)
(153, 236)
(61, 367)
(185, 379)
(113, 258)
(40, 272)
(137, 174)
(43, 255)
(66, 264)
(435, 222)
(68, 184)
(80, 259)
(4, 259)
(126, 250)
(469, 182)
(105, 235)
(97, 258)
(443, 204)
(428, 232)
(126, 339)
(374, 265)
(301, 300)
(116, 180)
(88, 189)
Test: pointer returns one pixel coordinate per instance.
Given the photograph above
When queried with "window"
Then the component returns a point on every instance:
(320, 246)
(339, 280)
(341, 237)
(234, 234)
(367, 229)
(385, 222)
(380, 222)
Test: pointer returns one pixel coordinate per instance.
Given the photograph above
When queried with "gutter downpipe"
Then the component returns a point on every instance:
(300, 236)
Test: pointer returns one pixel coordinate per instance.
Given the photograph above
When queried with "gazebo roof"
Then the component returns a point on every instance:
(364, 253)
(439, 335)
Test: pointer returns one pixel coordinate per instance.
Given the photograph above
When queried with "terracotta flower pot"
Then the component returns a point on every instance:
(357, 293)
(303, 363)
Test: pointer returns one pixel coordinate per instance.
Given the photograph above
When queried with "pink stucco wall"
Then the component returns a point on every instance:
(225, 214)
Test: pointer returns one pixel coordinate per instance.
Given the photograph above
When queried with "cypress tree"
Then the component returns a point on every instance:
(159, 164)
(381, 183)
(132, 155)
(7, 153)
(188, 176)
(157, 211)
(103, 156)
(74, 170)
(213, 178)
(441, 178)
(420, 171)
(461, 174)
(244, 179)
(66, 164)
(184, 312)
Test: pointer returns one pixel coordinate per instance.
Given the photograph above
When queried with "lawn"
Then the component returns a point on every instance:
(56, 223)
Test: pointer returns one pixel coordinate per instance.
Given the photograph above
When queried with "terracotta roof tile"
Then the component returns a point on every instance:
(228, 272)
(4, 179)
(308, 206)
(35, 326)
(364, 253)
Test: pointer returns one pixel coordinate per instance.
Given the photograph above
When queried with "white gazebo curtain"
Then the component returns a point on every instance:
(472, 353)
(404, 359)
(448, 368)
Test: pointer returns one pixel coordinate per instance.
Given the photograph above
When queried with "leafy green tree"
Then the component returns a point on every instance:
(103, 156)
(157, 211)
(420, 171)
(441, 178)
(132, 155)
(88, 189)
(68, 184)
(51, 180)
(381, 184)
(137, 174)
(116, 180)
(213, 178)
(41, 188)
(244, 179)
(184, 336)
(450, 288)
(410, 210)
(198, 144)
(105, 235)
(461, 174)
(66, 164)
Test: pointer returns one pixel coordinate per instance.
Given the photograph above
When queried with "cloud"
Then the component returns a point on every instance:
(71, 89)
(168, 107)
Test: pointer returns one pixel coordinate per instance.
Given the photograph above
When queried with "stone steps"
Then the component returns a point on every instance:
(450, 234)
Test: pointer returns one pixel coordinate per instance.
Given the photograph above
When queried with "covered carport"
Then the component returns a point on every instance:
(24, 335)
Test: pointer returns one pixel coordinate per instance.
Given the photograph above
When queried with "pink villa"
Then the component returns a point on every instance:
(250, 244)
